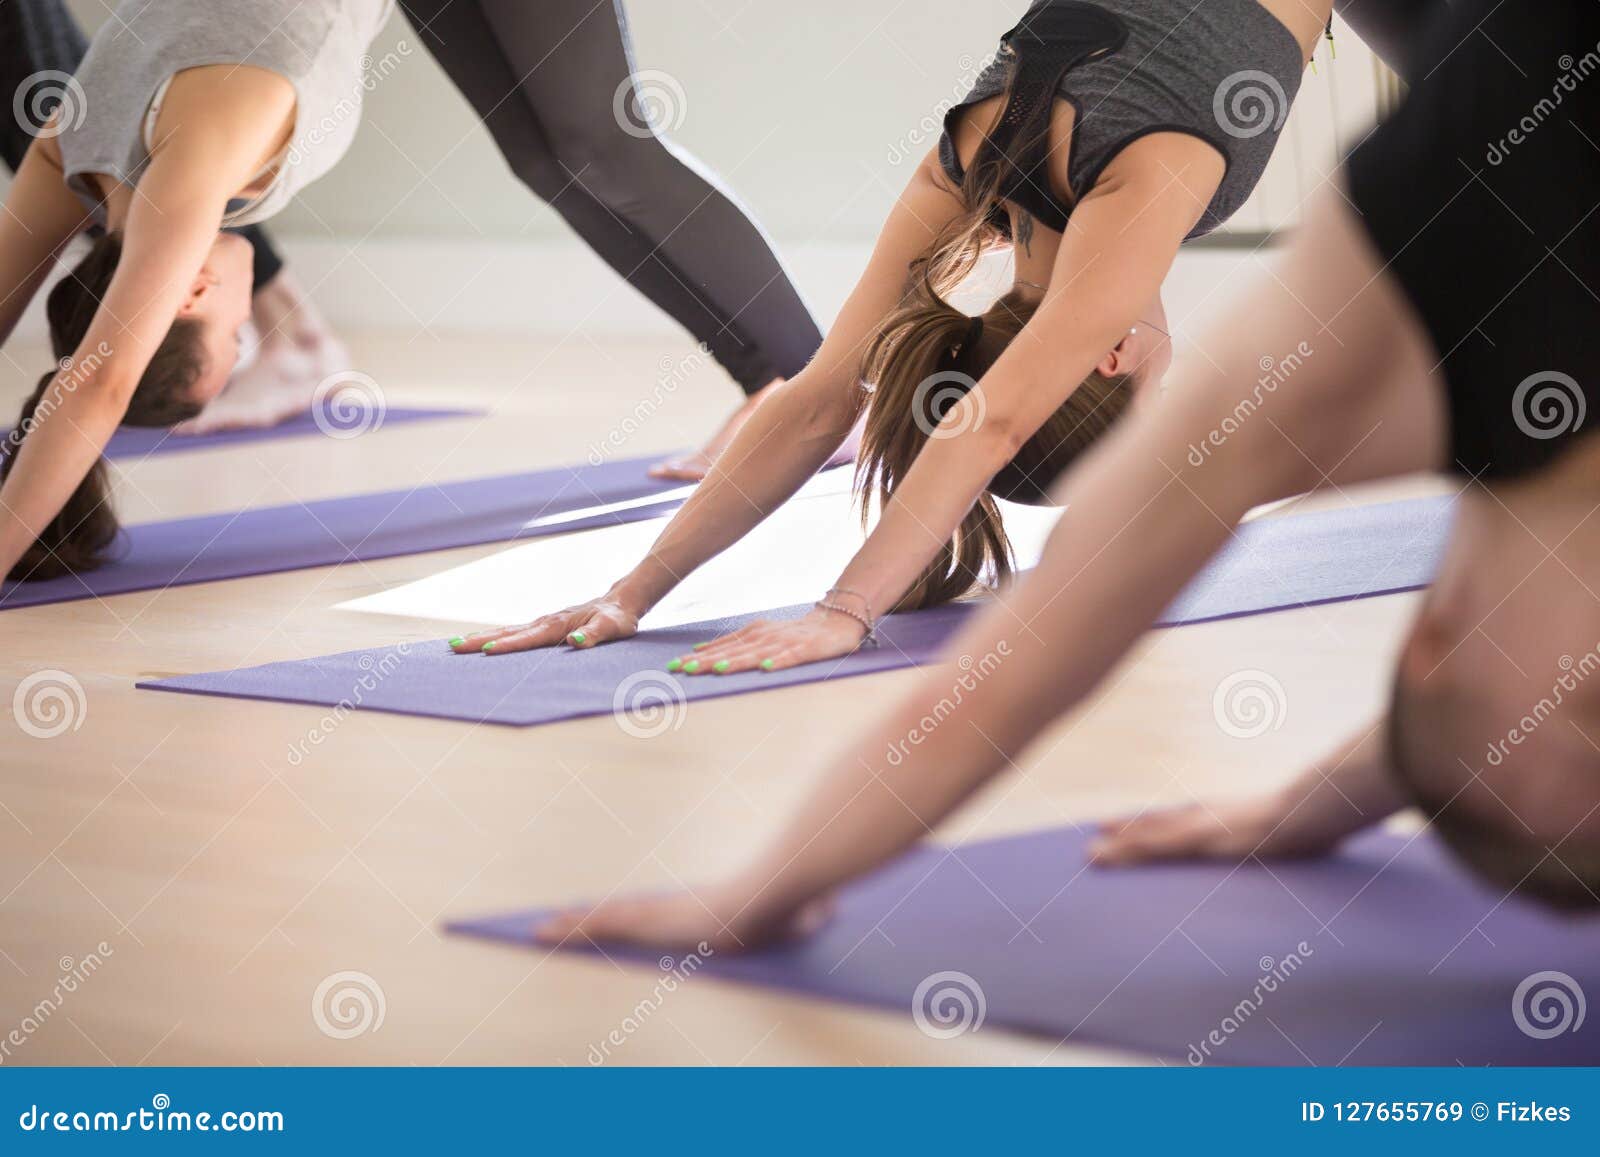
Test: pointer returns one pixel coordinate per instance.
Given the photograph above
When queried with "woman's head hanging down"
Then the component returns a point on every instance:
(214, 115)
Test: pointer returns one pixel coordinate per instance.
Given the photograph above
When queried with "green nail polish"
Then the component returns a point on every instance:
(701, 646)
(721, 666)
(487, 647)
(457, 641)
(675, 664)
(692, 666)
(767, 664)
(577, 636)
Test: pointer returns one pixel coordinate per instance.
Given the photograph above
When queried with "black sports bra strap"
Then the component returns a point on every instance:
(1048, 43)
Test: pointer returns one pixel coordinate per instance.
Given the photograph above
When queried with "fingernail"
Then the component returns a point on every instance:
(577, 636)
(487, 647)
(767, 664)
(700, 646)
(721, 665)
(457, 641)
(675, 664)
(692, 666)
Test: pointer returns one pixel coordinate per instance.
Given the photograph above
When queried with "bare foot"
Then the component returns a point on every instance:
(694, 467)
(273, 388)
(298, 352)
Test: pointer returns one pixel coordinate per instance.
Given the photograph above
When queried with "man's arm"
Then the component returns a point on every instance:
(1350, 789)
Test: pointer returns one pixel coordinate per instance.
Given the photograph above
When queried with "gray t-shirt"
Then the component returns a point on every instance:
(319, 46)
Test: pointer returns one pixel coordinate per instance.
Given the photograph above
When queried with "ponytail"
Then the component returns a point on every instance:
(928, 355)
(77, 538)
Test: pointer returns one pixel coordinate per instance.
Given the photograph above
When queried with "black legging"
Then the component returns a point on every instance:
(41, 36)
(544, 75)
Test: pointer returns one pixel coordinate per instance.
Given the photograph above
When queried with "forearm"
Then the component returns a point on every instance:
(1349, 789)
(1139, 522)
(805, 420)
(786, 441)
(67, 433)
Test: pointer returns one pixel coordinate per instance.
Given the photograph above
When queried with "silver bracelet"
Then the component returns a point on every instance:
(870, 639)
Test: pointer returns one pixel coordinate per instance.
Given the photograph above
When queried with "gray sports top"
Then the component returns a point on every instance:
(1225, 71)
(319, 46)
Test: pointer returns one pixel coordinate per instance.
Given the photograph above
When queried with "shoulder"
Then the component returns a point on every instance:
(1168, 166)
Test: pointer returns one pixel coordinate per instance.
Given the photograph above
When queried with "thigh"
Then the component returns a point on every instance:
(573, 60)
(36, 36)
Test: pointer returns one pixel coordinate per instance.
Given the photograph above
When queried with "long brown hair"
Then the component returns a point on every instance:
(78, 538)
(928, 354)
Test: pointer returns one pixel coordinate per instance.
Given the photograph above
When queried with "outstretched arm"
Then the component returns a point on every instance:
(171, 226)
(786, 441)
(1115, 254)
(1350, 789)
(1141, 518)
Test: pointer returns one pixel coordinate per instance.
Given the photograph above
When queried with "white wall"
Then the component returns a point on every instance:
(809, 111)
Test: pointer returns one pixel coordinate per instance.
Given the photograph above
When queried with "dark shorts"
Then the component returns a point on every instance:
(1483, 196)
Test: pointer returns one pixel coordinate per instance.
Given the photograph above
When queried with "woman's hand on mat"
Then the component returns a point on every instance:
(600, 620)
(767, 646)
(721, 919)
(1269, 826)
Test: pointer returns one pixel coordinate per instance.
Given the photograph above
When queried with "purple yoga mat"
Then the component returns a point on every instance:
(1385, 954)
(368, 526)
(139, 441)
(1273, 564)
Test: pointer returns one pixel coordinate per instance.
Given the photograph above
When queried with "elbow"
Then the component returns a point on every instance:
(989, 434)
(110, 387)
(823, 411)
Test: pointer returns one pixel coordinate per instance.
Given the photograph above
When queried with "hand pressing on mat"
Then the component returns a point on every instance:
(721, 919)
(600, 620)
(764, 646)
(1338, 796)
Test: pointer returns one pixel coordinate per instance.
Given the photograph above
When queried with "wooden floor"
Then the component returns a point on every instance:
(228, 882)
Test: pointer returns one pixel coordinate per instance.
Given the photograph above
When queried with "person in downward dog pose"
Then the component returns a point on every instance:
(200, 122)
(555, 84)
(1093, 147)
(1449, 304)
(41, 45)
